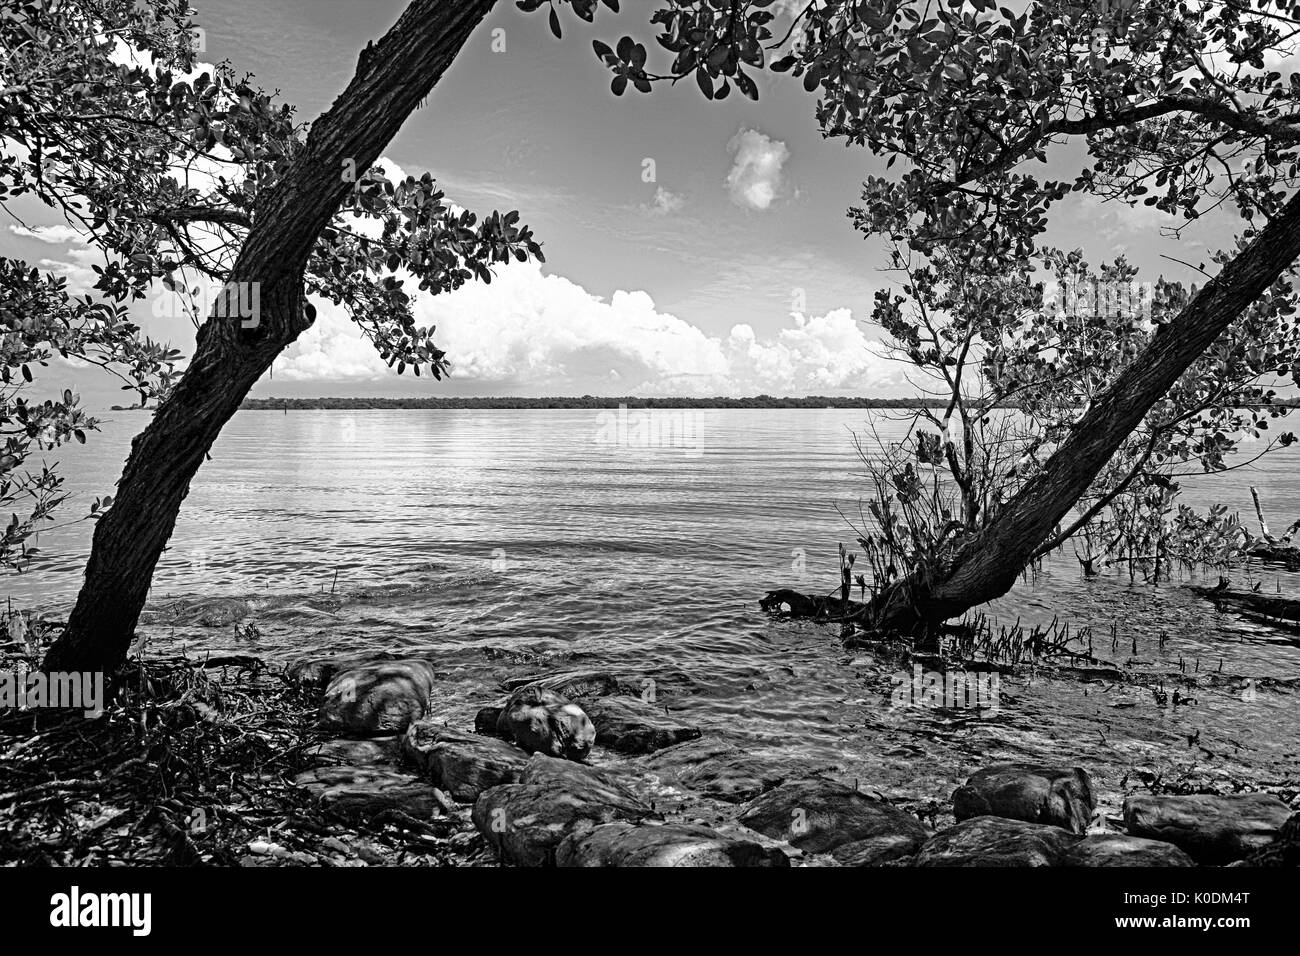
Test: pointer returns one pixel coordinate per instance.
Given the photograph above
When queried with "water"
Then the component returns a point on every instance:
(505, 543)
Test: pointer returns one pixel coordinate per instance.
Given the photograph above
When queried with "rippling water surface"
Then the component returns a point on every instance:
(506, 543)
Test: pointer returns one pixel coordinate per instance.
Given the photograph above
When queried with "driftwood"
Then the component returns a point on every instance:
(1279, 612)
(830, 608)
(1274, 550)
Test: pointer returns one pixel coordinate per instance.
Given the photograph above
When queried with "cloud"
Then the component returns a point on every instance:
(530, 333)
(51, 234)
(756, 177)
(665, 203)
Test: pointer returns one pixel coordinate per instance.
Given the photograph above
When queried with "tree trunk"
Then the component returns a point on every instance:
(391, 80)
(987, 566)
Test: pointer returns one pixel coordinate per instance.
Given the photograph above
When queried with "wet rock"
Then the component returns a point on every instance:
(626, 844)
(820, 815)
(1118, 849)
(463, 765)
(377, 698)
(997, 841)
(572, 684)
(1058, 796)
(543, 721)
(1212, 829)
(485, 721)
(317, 672)
(365, 791)
(629, 725)
(525, 823)
(723, 771)
(587, 782)
(354, 753)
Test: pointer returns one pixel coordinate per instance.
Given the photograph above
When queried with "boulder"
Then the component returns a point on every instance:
(525, 823)
(571, 684)
(346, 752)
(377, 698)
(997, 841)
(463, 765)
(1059, 796)
(485, 721)
(582, 780)
(627, 844)
(723, 771)
(820, 815)
(1118, 849)
(543, 721)
(317, 672)
(366, 791)
(629, 725)
(1212, 829)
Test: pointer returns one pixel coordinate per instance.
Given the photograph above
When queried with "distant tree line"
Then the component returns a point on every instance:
(586, 401)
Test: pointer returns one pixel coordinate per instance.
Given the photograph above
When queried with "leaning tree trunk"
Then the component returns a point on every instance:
(987, 566)
(400, 71)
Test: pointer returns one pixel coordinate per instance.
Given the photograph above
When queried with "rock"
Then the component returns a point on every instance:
(463, 765)
(1118, 849)
(997, 841)
(587, 782)
(543, 721)
(821, 815)
(626, 844)
(317, 672)
(354, 753)
(365, 791)
(1213, 830)
(485, 721)
(378, 698)
(525, 823)
(724, 771)
(572, 684)
(631, 726)
(1054, 795)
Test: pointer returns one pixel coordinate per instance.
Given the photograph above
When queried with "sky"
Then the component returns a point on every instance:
(693, 248)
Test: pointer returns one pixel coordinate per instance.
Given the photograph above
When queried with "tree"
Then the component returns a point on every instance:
(1016, 354)
(175, 176)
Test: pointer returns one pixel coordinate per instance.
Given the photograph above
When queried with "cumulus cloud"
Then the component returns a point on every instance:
(756, 178)
(51, 234)
(530, 333)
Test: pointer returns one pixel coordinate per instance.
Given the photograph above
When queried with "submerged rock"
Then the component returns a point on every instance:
(723, 771)
(1118, 849)
(631, 726)
(543, 721)
(1059, 796)
(997, 841)
(344, 751)
(572, 684)
(463, 765)
(626, 844)
(1212, 829)
(820, 815)
(377, 698)
(365, 791)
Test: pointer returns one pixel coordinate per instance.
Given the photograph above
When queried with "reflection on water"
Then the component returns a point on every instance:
(507, 542)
